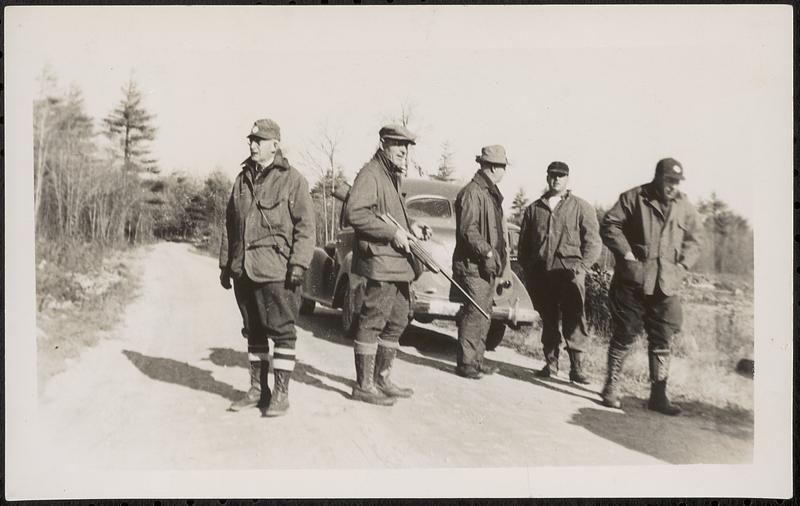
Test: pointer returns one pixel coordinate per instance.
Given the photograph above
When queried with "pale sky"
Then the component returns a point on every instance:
(607, 89)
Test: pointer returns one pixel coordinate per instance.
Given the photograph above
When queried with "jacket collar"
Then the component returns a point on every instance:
(484, 182)
(279, 162)
(541, 200)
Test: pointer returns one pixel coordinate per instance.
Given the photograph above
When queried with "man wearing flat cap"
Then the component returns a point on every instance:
(654, 233)
(558, 242)
(382, 256)
(480, 256)
(266, 246)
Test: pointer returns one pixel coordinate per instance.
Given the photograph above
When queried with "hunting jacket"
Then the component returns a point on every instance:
(269, 222)
(665, 244)
(377, 190)
(480, 228)
(566, 237)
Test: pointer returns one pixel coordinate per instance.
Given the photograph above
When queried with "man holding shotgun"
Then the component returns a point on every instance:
(479, 258)
(382, 255)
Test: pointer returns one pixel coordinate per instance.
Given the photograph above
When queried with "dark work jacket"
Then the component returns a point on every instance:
(664, 245)
(377, 191)
(264, 246)
(480, 228)
(563, 238)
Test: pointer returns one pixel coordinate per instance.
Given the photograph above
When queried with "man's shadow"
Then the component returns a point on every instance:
(708, 435)
(438, 352)
(181, 373)
(443, 347)
(303, 373)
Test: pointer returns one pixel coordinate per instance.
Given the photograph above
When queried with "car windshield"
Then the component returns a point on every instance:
(429, 207)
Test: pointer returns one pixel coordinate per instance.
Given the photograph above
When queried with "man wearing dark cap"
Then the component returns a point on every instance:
(558, 242)
(382, 256)
(479, 257)
(654, 232)
(267, 244)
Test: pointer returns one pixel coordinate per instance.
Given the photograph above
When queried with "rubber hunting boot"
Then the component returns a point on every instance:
(616, 357)
(576, 374)
(365, 390)
(279, 404)
(383, 370)
(550, 370)
(659, 371)
(253, 395)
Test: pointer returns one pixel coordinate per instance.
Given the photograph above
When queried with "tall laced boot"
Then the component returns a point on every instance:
(550, 370)
(253, 395)
(576, 374)
(659, 371)
(365, 389)
(383, 370)
(616, 357)
(279, 404)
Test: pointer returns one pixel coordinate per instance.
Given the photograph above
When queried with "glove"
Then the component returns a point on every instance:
(489, 266)
(225, 278)
(295, 276)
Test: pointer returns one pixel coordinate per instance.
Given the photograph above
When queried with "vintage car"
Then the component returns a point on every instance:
(329, 281)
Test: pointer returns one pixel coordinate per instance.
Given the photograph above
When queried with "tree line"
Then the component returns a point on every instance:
(97, 182)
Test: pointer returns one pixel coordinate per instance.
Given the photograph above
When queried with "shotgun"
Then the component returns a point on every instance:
(341, 194)
(423, 256)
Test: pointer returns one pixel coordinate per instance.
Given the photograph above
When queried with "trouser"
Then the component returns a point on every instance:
(385, 313)
(473, 327)
(269, 311)
(558, 296)
(630, 309)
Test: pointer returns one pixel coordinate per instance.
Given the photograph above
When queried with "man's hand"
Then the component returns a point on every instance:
(225, 278)
(421, 231)
(400, 240)
(295, 275)
(629, 256)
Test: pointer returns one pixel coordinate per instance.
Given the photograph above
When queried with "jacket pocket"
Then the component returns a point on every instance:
(274, 214)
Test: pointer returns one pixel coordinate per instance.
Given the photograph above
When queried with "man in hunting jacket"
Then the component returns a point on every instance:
(266, 246)
(382, 255)
(654, 233)
(558, 242)
(479, 257)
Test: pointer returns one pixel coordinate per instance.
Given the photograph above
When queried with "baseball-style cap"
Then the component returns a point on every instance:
(397, 133)
(558, 168)
(495, 155)
(265, 129)
(670, 168)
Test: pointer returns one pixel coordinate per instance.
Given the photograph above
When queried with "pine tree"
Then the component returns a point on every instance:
(518, 206)
(132, 127)
(445, 170)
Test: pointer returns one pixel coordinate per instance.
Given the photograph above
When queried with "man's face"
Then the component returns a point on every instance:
(262, 151)
(668, 186)
(396, 151)
(557, 183)
(495, 172)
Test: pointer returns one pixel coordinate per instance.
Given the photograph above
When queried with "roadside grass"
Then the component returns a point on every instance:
(81, 293)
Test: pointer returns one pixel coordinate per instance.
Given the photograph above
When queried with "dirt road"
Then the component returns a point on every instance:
(154, 396)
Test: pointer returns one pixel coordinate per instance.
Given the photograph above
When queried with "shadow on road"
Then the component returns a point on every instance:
(438, 351)
(303, 373)
(181, 373)
(677, 440)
